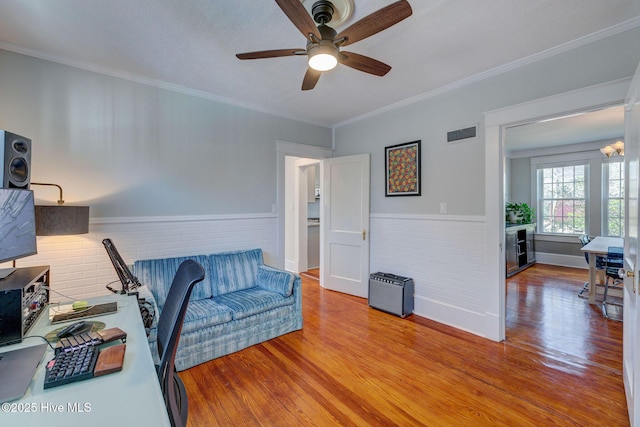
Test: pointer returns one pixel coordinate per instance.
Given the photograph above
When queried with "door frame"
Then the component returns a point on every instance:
(300, 244)
(283, 149)
(580, 100)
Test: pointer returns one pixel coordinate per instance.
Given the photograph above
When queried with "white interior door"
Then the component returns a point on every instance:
(344, 227)
(631, 327)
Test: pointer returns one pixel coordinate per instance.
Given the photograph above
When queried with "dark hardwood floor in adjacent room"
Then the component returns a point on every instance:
(356, 366)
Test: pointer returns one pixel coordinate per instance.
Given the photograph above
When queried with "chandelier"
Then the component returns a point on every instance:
(615, 149)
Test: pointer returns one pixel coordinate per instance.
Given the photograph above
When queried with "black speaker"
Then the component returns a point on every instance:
(15, 160)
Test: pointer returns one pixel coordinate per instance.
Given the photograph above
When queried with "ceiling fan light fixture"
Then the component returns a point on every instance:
(323, 41)
(323, 57)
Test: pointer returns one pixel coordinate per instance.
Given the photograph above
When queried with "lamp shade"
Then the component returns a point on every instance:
(607, 151)
(619, 147)
(61, 220)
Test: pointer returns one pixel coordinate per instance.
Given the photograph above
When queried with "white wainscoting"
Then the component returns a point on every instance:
(80, 266)
(446, 257)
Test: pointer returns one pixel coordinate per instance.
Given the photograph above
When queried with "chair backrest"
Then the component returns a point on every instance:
(169, 327)
(584, 239)
(615, 256)
(614, 261)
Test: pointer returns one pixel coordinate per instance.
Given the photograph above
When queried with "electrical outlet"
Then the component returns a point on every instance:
(443, 207)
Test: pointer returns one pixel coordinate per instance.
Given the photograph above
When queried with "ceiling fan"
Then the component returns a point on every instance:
(324, 43)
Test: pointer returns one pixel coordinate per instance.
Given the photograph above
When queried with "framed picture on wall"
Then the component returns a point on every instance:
(402, 169)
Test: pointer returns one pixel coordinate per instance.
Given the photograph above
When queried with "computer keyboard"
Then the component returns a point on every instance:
(79, 341)
(82, 356)
(71, 366)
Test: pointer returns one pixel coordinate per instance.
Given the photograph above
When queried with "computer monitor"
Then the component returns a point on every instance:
(17, 226)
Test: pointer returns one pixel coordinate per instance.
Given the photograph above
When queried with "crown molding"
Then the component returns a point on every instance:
(83, 65)
(565, 47)
(111, 72)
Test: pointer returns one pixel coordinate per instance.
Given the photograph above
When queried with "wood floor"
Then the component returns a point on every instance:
(355, 366)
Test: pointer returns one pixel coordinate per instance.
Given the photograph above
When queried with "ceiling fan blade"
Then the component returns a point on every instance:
(270, 53)
(364, 63)
(376, 22)
(297, 14)
(311, 77)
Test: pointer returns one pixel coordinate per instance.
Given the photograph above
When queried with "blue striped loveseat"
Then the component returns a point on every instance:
(240, 302)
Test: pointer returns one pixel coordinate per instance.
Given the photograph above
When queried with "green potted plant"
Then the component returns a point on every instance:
(519, 213)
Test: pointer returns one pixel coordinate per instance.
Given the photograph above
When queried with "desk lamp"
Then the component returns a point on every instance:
(60, 219)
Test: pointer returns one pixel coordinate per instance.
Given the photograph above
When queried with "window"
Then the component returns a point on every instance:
(562, 201)
(613, 199)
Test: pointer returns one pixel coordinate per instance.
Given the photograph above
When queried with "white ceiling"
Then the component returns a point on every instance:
(600, 125)
(191, 46)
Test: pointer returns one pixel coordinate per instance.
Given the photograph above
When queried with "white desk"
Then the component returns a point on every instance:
(598, 246)
(126, 398)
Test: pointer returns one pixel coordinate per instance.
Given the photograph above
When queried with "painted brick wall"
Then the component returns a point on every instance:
(80, 266)
(446, 258)
(445, 255)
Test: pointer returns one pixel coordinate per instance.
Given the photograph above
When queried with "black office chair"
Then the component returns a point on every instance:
(614, 262)
(169, 327)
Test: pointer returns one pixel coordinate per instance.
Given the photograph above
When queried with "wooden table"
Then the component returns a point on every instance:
(598, 246)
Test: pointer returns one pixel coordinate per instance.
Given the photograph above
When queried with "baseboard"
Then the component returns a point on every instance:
(571, 261)
(291, 265)
(480, 324)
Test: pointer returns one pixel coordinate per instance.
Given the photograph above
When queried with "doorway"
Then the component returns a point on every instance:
(344, 242)
(496, 123)
(561, 145)
(302, 216)
(565, 152)
(289, 207)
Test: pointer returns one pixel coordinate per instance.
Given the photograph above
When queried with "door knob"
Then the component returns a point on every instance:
(629, 274)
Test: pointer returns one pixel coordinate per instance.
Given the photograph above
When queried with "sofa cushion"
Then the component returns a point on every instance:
(205, 313)
(234, 271)
(275, 280)
(158, 275)
(248, 302)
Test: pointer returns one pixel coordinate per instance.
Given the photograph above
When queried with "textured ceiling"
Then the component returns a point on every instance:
(192, 45)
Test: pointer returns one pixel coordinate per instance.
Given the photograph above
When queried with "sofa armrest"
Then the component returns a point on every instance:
(275, 280)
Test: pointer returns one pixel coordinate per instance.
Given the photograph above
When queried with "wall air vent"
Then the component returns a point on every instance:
(462, 134)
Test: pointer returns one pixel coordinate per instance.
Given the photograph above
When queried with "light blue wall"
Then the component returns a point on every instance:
(129, 149)
(520, 181)
(454, 173)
